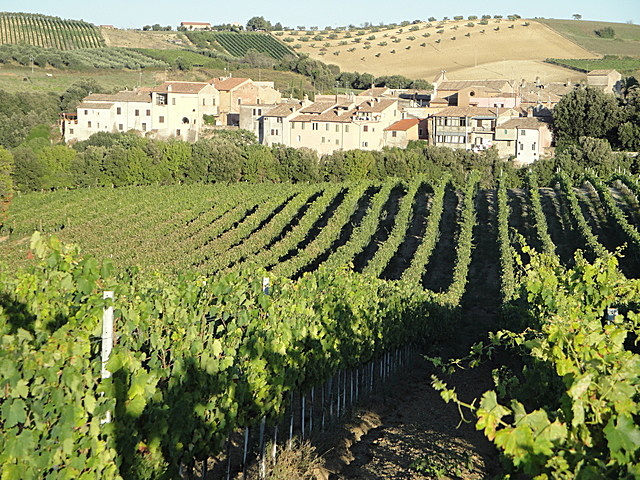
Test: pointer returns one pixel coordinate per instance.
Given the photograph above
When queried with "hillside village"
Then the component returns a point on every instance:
(463, 114)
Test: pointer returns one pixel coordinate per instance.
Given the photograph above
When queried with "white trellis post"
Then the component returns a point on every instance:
(107, 343)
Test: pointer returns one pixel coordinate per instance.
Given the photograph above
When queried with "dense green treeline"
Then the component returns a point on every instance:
(122, 159)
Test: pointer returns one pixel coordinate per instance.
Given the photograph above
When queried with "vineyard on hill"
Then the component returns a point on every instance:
(373, 269)
(48, 32)
(238, 44)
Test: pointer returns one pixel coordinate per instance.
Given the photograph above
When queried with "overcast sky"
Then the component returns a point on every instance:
(135, 14)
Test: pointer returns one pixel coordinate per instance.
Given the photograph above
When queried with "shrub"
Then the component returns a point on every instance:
(605, 32)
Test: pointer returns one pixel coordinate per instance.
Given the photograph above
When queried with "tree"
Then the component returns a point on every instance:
(577, 16)
(6, 182)
(258, 23)
(586, 112)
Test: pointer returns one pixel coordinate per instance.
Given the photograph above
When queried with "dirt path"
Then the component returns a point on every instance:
(414, 434)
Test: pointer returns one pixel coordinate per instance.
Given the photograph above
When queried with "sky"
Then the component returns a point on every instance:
(291, 13)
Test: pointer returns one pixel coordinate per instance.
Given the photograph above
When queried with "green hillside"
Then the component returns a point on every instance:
(626, 41)
(48, 32)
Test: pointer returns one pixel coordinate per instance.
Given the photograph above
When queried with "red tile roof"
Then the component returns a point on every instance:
(180, 87)
(403, 125)
(227, 84)
(283, 110)
(466, 112)
(94, 106)
(126, 96)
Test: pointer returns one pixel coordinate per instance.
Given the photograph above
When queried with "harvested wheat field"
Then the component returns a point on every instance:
(115, 37)
(500, 49)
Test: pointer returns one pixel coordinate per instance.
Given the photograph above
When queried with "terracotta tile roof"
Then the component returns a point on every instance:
(282, 110)
(403, 125)
(125, 96)
(531, 123)
(318, 107)
(375, 106)
(496, 85)
(466, 112)
(439, 101)
(227, 84)
(334, 116)
(180, 87)
(95, 106)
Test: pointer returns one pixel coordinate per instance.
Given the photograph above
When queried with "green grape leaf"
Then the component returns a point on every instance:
(623, 437)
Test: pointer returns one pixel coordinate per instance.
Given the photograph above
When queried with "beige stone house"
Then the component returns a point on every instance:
(235, 92)
(609, 81)
(469, 128)
(524, 139)
(326, 127)
(173, 109)
(196, 25)
(401, 132)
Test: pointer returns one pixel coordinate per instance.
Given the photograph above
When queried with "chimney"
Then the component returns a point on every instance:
(169, 88)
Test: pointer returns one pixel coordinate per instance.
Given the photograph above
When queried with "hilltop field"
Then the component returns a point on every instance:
(465, 49)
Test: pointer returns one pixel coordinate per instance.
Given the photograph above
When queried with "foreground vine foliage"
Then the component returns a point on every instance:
(591, 431)
(195, 358)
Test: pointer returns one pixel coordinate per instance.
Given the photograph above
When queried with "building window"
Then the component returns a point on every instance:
(173, 101)
(322, 141)
(533, 146)
(118, 111)
(314, 126)
(137, 113)
(337, 128)
(365, 144)
(204, 102)
(394, 134)
(213, 101)
(279, 120)
(298, 138)
(523, 132)
(365, 128)
(337, 142)
(521, 146)
(144, 127)
(148, 113)
(346, 128)
(463, 121)
(302, 126)
(161, 119)
(293, 125)
(71, 131)
(89, 124)
(86, 112)
(239, 101)
(273, 132)
(327, 127)
(120, 127)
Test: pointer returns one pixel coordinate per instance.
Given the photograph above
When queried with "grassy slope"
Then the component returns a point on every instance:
(16, 79)
(626, 42)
